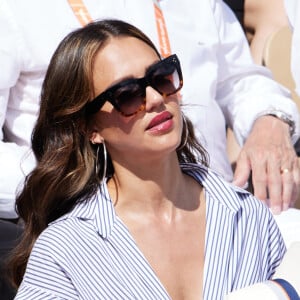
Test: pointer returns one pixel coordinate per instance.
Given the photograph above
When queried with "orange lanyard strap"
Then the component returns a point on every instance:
(80, 12)
(164, 42)
(84, 18)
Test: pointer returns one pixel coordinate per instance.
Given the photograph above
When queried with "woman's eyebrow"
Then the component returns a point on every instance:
(151, 66)
(125, 78)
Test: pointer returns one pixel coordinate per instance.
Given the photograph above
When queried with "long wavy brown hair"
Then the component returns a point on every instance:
(65, 171)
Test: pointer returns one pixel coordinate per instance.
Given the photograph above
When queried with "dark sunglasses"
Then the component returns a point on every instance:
(128, 96)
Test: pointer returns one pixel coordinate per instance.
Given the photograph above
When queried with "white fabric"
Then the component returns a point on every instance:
(267, 290)
(293, 12)
(289, 269)
(217, 67)
(289, 224)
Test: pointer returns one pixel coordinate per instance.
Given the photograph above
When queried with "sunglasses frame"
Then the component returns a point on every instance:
(95, 105)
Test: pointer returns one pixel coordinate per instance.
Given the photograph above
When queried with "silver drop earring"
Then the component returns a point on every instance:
(104, 160)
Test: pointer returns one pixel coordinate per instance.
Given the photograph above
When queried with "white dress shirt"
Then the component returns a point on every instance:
(90, 254)
(216, 62)
(293, 12)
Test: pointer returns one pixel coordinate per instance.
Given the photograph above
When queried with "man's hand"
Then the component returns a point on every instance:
(268, 154)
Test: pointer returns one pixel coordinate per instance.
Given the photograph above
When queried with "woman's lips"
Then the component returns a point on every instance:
(160, 123)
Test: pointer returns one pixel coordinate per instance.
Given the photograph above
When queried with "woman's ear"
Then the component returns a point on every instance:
(95, 137)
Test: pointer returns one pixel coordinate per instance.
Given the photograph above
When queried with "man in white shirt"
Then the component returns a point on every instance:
(221, 86)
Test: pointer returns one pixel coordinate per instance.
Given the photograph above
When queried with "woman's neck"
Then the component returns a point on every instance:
(154, 188)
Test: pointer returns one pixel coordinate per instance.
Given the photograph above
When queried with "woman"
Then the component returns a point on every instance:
(117, 207)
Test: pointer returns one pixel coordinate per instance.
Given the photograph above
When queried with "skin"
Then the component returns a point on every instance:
(262, 18)
(267, 151)
(148, 188)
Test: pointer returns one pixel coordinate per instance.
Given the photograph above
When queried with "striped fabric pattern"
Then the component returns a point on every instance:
(89, 253)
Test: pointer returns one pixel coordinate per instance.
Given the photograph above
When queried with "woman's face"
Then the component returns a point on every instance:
(154, 131)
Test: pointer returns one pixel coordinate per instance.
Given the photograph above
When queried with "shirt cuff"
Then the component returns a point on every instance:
(288, 288)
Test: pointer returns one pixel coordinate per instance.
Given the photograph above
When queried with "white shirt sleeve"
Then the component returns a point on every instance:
(13, 161)
(245, 89)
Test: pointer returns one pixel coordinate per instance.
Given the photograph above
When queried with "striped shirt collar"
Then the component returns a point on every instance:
(101, 212)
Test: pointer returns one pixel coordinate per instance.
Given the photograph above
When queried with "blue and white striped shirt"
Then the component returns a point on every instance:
(90, 254)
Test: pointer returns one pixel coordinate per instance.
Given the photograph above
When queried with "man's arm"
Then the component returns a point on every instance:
(12, 156)
(245, 92)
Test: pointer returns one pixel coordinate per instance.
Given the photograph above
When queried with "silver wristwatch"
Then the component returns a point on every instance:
(283, 117)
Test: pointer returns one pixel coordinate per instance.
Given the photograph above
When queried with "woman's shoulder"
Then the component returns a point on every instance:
(88, 220)
(61, 234)
(224, 193)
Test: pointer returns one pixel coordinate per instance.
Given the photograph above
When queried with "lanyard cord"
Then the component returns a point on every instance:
(164, 42)
(80, 11)
(83, 16)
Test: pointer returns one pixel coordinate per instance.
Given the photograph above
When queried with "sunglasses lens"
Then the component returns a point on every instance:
(130, 98)
(166, 79)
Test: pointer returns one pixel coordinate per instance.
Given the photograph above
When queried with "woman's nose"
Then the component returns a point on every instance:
(153, 98)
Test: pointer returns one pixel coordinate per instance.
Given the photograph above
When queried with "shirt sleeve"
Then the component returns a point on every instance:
(261, 245)
(12, 154)
(245, 89)
(276, 247)
(45, 278)
(29, 292)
